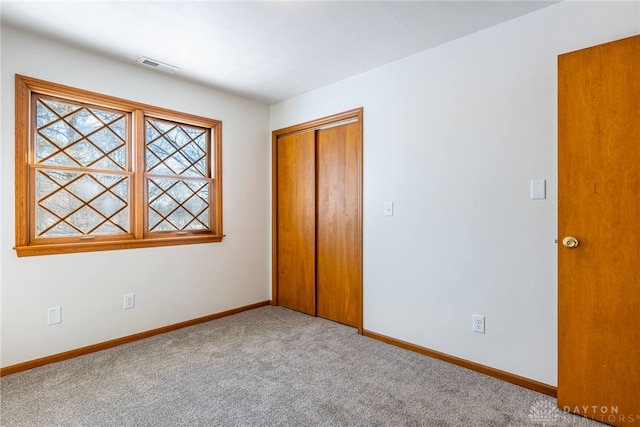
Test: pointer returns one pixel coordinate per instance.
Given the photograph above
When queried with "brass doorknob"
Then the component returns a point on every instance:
(570, 242)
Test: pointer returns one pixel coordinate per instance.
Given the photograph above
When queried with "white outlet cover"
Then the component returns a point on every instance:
(478, 323)
(129, 301)
(54, 315)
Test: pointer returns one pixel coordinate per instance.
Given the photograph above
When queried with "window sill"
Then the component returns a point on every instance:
(66, 248)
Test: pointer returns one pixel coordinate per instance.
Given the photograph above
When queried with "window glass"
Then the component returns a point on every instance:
(104, 173)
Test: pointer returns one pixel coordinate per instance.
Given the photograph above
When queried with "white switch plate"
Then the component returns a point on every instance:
(538, 189)
(54, 315)
(388, 208)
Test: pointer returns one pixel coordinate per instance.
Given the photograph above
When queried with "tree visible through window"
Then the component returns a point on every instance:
(96, 172)
(81, 169)
(177, 170)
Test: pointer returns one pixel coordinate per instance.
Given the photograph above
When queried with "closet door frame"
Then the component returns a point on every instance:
(350, 116)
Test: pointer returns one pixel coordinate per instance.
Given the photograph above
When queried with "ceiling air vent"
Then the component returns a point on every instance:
(157, 65)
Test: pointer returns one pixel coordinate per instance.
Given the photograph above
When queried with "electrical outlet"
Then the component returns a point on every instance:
(478, 323)
(129, 301)
(54, 315)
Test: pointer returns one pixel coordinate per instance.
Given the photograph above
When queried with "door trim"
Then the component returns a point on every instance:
(345, 117)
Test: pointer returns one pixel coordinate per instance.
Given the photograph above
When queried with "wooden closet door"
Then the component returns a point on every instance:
(339, 234)
(296, 229)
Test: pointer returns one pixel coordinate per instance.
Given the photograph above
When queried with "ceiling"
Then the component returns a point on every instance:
(264, 50)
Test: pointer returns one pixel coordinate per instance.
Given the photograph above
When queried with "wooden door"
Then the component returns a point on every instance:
(295, 212)
(317, 217)
(339, 236)
(599, 204)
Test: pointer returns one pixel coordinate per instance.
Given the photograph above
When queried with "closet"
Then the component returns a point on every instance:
(317, 218)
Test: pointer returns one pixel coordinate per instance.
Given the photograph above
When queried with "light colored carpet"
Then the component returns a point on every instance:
(267, 367)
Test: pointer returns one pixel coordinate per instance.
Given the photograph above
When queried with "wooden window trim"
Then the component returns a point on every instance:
(24, 87)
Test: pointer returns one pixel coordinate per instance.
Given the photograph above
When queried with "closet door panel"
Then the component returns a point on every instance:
(339, 235)
(296, 209)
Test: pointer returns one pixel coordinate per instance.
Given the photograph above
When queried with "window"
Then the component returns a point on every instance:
(95, 172)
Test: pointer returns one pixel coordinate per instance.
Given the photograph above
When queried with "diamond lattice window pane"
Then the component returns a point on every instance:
(74, 203)
(45, 219)
(81, 171)
(177, 137)
(84, 122)
(151, 134)
(71, 135)
(202, 167)
(108, 204)
(121, 189)
(161, 148)
(108, 180)
(86, 219)
(196, 135)
(180, 191)
(192, 173)
(198, 186)
(154, 218)
(161, 168)
(61, 203)
(119, 156)
(61, 109)
(195, 205)
(44, 115)
(54, 197)
(106, 163)
(176, 164)
(180, 218)
(163, 127)
(173, 149)
(44, 148)
(116, 224)
(176, 205)
(163, 205)
(119, 127)
(106, 116)
(121, 220)
(60, 133)
(45, 185)
(107, 228)
(165, 226)
(49, 225)
(106, 140)
(61, 229)
(86, 187)
(151, 161)
(193, 152)
(60, 159)
(60, 177)
(153, 189)
(203, 219)
(84, 152)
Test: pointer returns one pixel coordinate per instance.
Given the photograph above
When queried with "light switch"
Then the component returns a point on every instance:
(388, 208)
(538, 189)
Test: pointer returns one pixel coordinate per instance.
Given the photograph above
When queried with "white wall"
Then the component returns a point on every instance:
(172, 284)
(453, 136)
